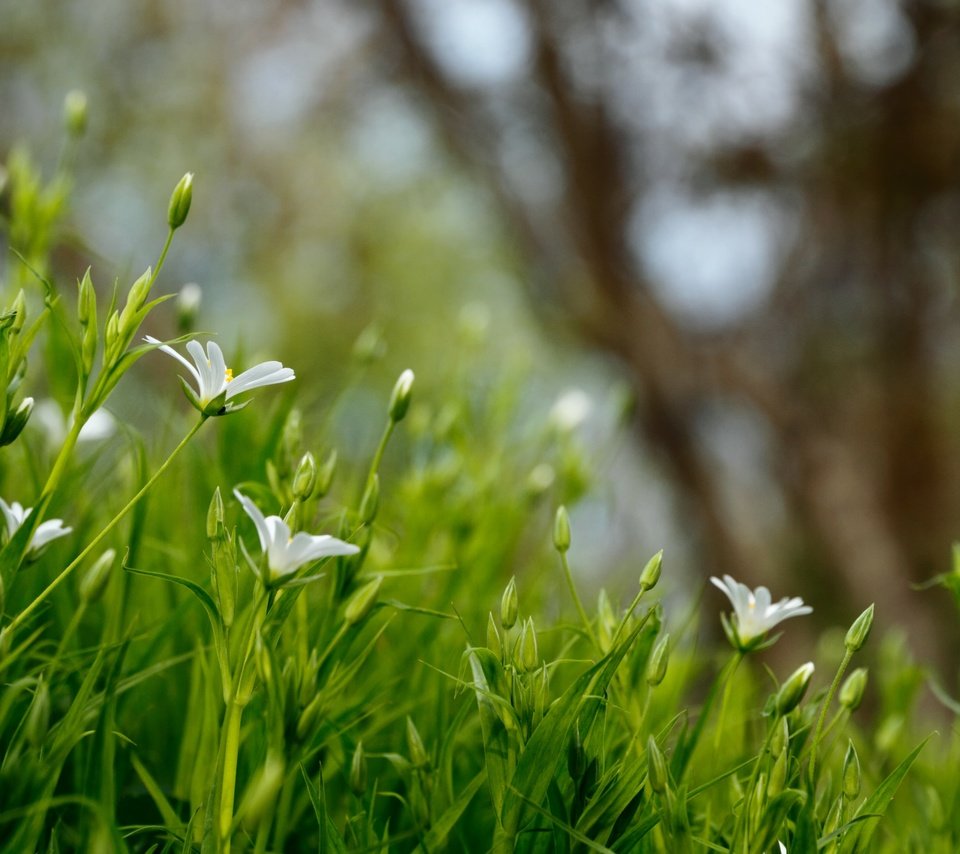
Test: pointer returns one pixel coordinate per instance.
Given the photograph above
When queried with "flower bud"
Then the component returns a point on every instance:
(400, 398)
(226, 580)
(305, 479)
(657, 663)
(262, 660)
(851, 773)
(529, 657)
(778, 775)
(561, 530)
(38, 716)
(370, 502)
(494, 644)
(419, 757)
(791, 692)
(362, 601)
(852, 690)
(651, 572)
(859, 631)
(2, 605)
(215, 512)
(325, 474)
(136, 298)
(180, 201)
(95, 579)
(657, 774)
(358, 771)
(188, 306)
(780, 738)
(309, 716)
(263, 791)
(86, 300)
(75, 113)
(16, 421)
(88, 348)
(19, 312)
(369, 345)
(111, 337)
(509, 605)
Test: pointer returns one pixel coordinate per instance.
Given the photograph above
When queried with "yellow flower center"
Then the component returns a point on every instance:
(229, 375)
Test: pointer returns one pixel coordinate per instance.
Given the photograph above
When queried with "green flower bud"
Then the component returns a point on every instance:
(263, 791)
(509, 605)
(75, 113)
(139, 291)
(780, 738)
(88, 348)
(86, 300)
(657, 663)
(561, 530)
(400, 398)
(226, 578)
(310, 715)
(651, 572)
(215, 513)
(16, 421)
(111, 337)
(325, 474)
(19, 312)
(262, 660)
(369, 345)
(180, 201)
(3, 597)
(95, 579)
(370, 502)
(362, 601)
(419, 757)
(38, 716)
(657, 774)
(494, 644)
(852, 690)
(791, 692)
(859, 631)
(188, 306)
(778, 774)
(305, 479)
(529, 649)
(358, 771)
(851, 773)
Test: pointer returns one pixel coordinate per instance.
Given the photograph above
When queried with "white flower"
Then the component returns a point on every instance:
(14, 516)
(285, 553)
(216, 384)
(571, 409)
(754, 613)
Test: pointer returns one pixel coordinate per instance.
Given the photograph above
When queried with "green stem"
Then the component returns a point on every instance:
(725, 702)
(378, 454)
(163, 257)
(230, 742)
(576, 600)
(818, 732)
(70, 567)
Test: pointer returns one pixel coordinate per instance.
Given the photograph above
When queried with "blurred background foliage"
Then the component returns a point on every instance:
(732, 225)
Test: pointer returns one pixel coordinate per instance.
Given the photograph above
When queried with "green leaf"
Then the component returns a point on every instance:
(330, 841)
(436, 838)
(876, 805)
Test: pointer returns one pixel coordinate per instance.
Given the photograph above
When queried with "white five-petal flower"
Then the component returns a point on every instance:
(286, 553)
(216, 384)
(753, 610)
(14, 516)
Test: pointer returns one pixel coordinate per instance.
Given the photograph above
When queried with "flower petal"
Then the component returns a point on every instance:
(171, 352)
(254, 513)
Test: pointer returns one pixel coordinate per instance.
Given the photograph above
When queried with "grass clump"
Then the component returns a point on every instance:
(253, 642)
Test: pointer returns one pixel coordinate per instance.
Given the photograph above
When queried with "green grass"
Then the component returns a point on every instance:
(162, 690)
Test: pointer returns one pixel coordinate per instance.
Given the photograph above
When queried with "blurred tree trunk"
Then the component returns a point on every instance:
(847, 363)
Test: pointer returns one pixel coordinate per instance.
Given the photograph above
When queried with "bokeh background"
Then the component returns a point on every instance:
(724, 233)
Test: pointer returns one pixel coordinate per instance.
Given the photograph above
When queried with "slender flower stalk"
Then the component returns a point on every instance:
(216, 384)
